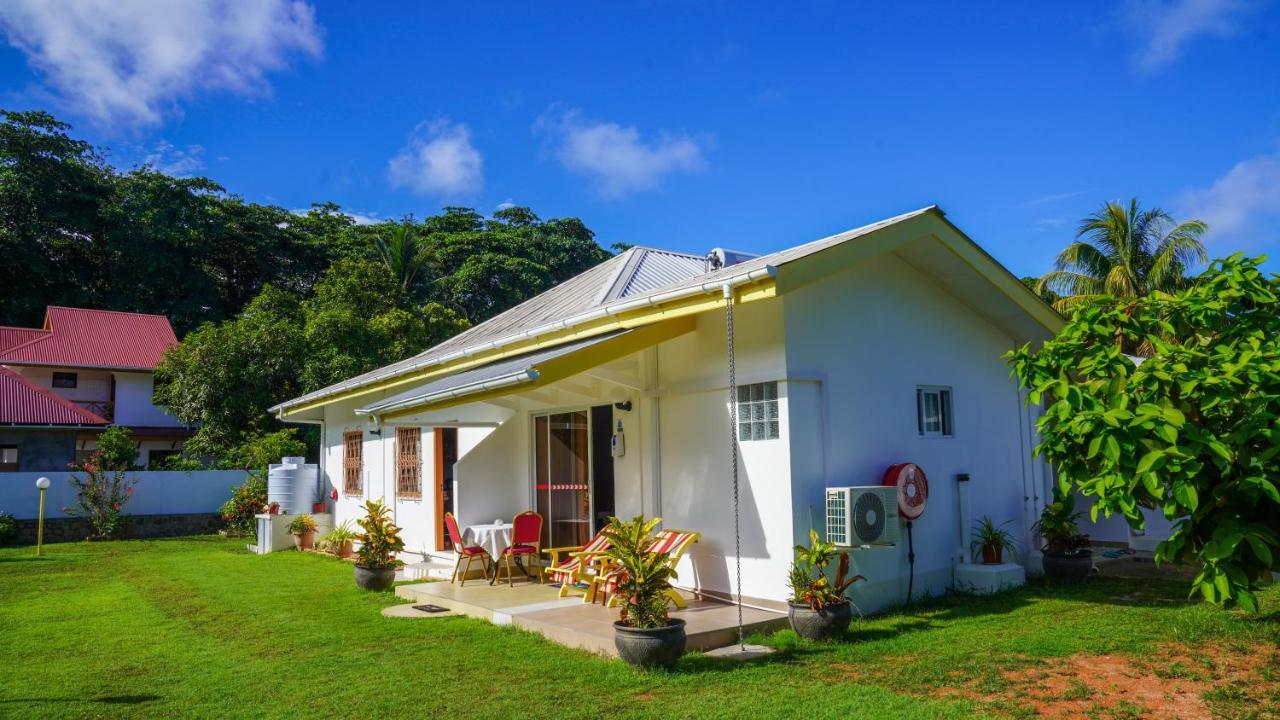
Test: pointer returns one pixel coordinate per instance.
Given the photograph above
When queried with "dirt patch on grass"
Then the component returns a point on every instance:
(1175, 682)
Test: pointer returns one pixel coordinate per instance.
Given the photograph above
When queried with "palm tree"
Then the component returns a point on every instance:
(405, 257)
(1125, 253)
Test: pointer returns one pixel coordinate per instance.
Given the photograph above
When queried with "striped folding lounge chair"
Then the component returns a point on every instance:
(672, 543)
(574, 565)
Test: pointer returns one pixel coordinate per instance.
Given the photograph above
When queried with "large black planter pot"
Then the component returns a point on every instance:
(1069, 569)
(826, 624)
(377, 579)
(658, 648)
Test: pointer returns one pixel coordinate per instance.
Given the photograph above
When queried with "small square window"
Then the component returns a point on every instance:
(8, 458)
(758, 412)
(64, 380)
(933, 411)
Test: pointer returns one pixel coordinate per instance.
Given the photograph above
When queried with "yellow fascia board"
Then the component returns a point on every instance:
(638, 317)
(566, 366)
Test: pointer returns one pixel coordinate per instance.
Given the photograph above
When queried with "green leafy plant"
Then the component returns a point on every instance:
(247, 500)
(117, 449)
(1059, 527)
(808, 578)
(988, 535)
(1193, 430)
(648, 577)
(338, 537)
(302, 525)
(101, 495)
(380, 540)
(8, 528)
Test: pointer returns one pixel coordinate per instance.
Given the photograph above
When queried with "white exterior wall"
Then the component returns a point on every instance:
(91, 385)
(133, 403)
(868, 337)
(696, 484)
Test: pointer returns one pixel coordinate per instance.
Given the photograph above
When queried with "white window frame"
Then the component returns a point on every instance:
(762, 408)
(945, 425)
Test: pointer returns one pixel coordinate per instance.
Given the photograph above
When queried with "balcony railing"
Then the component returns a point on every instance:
(104, 409)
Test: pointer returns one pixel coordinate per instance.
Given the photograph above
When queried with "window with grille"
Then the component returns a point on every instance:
(352, 455)
(933, 411)
(408, 467)
(758, 411)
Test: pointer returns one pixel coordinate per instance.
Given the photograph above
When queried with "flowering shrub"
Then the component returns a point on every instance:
(101, 495)
(246, 501)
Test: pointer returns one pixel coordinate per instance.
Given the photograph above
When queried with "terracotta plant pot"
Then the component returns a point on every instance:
(306, 541)
(992, 556)
(317, 507)
(345, 551)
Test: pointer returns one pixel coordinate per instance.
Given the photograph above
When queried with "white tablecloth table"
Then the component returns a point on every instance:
(494, 537)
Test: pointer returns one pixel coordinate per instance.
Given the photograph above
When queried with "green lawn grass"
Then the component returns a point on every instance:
(198, 627)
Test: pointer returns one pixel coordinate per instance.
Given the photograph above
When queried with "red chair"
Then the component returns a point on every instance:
(526, 541)
(470, 553)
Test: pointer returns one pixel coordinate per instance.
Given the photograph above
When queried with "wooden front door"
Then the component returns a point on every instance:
(446, 454)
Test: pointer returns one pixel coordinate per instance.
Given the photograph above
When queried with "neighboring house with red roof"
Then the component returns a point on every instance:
(63, 383)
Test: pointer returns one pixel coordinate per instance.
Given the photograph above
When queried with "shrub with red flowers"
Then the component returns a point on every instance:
(101, 495)
(246, 501)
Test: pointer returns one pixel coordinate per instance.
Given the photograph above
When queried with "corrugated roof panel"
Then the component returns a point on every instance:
(492, 371)
(79, 337)
(595, 288)
(25, 403)
(659, 268)
(14, 336)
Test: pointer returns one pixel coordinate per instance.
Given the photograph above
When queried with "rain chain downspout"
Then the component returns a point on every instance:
(733, 451)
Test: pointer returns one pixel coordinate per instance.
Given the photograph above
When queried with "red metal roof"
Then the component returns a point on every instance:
(25, 403)
(78, 337)
(14, 336)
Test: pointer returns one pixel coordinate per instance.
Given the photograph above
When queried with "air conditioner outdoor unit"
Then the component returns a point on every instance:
(865, 515)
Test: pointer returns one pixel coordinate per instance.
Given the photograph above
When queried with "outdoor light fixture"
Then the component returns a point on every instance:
(43, 484)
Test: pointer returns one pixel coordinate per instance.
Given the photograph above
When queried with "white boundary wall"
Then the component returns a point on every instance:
(158, 492)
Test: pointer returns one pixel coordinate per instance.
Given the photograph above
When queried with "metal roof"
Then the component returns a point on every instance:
(509, 371)
(593, 290)
(15, 336)
(25, 403)
(80, 337)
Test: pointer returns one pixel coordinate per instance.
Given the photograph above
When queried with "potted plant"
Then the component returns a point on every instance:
(818, 609)
(992, 540)
(1067, 557)
(338, 540)
(303, 529)
(380, 541)
(644, 635)
(317, 507)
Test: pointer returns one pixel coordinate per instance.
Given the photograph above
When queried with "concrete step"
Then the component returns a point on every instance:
(431, 569)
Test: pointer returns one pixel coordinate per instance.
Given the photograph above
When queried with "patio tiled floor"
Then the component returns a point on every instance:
(569, 621)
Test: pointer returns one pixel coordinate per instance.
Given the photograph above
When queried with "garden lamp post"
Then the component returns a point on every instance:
(43, 484)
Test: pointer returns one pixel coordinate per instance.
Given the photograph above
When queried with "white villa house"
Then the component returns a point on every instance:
(608, 395)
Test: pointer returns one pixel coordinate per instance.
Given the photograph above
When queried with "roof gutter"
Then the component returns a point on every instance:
(601, 312)
(504, 381)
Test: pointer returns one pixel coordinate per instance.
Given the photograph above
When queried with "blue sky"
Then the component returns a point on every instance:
(687, 125)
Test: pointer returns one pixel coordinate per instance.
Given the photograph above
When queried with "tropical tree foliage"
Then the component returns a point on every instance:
(1125, 252)
(268, 302)
(1193, 430)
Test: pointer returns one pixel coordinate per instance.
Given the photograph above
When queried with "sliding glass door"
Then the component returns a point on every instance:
(562, 478)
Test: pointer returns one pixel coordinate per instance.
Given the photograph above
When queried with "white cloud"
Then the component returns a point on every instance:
(1236, 203)
(131, 61)
(172, 160)
(360, 218)
(506, 204)
(439, 160)
(1166, 26)
(616, 157)
(1055, 197)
